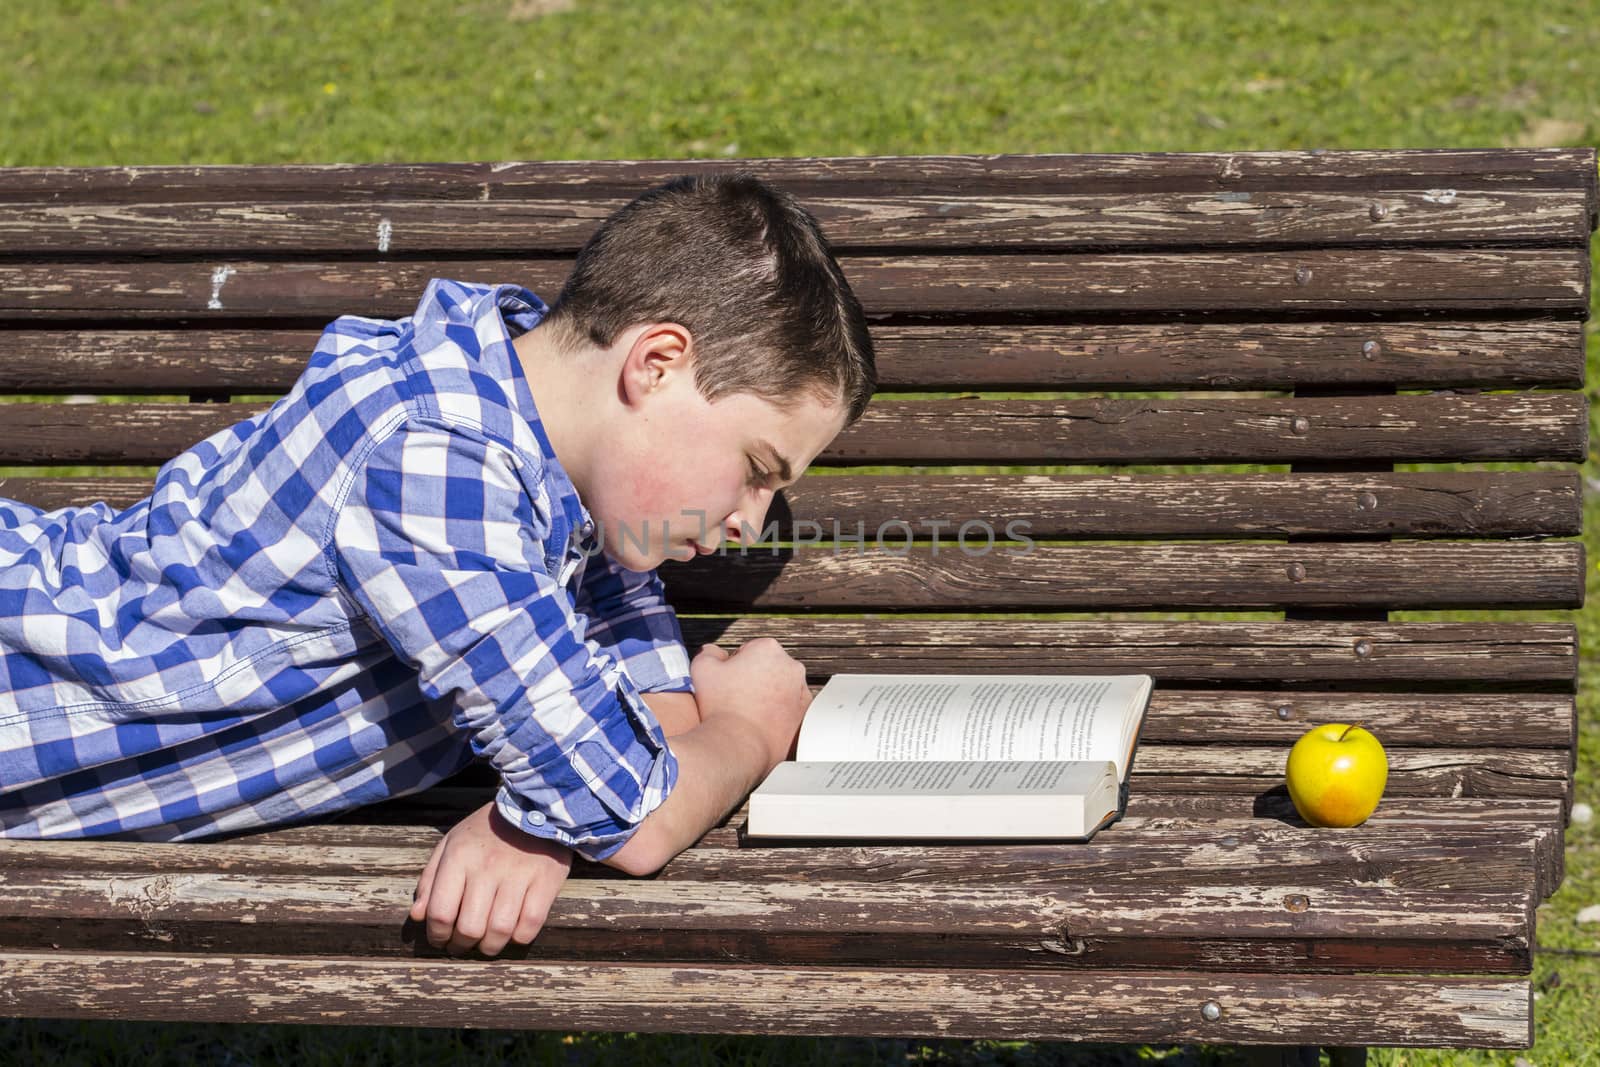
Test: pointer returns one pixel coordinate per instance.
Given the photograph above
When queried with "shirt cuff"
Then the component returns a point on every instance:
(567, 806)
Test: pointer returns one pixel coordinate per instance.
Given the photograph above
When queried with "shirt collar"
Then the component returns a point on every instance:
(500, 314)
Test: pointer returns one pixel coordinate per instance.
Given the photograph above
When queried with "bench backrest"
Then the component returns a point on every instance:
(1392, 342)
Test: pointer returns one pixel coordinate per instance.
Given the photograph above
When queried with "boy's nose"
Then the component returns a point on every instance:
(745, 525)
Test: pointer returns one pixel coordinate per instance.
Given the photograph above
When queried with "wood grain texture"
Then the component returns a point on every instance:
(1024, 1005)
(1132, 577)
(1317, 924)
(1209, 831)
(1067, 287)
(962, 221)
(1417, 504)
(1053, 173)
(1386, 429)
(1482, 354)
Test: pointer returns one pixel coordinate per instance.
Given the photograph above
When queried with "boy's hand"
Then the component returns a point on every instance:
(487, 883)
(760, 684)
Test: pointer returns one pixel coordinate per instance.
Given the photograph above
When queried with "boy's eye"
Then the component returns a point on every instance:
(757, 474)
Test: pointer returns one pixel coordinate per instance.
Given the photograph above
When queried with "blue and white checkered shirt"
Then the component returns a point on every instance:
(346, 598)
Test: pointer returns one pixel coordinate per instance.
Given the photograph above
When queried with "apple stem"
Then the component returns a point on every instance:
(1347, 729)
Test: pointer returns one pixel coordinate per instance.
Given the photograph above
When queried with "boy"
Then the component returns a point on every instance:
(391, 573)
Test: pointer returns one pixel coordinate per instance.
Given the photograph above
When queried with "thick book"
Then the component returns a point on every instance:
(958, 756)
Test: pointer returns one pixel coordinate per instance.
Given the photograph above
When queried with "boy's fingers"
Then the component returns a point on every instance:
(444, 902)
(713, 651)
(472, 921)
(419, 895)
(504, 915)
(535, 910)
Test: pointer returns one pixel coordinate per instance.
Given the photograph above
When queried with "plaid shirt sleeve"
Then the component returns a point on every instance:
(438, 543)
(630, 619)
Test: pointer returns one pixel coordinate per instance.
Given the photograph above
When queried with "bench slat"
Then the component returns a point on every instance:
(1426, 504)
(1249, 355)
(1488, 849)
(1484, 857)
(1425, 771)
(1198, 576)
(1421, 428)
(1225, 821)
(1175, 652)
(1237, 925)
(1065, 287)
(821, 176)
(1059, 222)
(1024, 1005)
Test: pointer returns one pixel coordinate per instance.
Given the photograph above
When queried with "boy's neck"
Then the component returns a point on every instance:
(566, 393)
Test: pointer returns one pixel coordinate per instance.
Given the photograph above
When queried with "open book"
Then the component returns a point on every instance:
(958, 756)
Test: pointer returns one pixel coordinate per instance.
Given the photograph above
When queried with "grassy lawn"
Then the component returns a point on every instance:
(261, 81)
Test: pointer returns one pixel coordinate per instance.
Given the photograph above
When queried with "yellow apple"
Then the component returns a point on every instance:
(1336, 775)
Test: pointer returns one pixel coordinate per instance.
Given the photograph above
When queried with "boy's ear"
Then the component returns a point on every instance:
(655, 353)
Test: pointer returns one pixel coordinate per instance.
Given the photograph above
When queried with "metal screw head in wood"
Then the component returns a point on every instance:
(1371, 349)
(1211, 1011)
(1284, 711)
(1300, 424)
(1378, 211)
(1297, 572)
(1302, 276)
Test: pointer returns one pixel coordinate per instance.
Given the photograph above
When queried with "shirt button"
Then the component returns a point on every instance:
(588, 528)
(536, 817)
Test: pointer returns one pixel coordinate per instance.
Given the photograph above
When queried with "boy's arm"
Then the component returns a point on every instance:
(751, 703)
(630, 620)
(437, 544)
(678, 713)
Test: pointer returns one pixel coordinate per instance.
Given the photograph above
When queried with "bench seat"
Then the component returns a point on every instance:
(1383, 349)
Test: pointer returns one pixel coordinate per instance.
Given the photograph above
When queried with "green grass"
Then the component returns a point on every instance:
(227, 81)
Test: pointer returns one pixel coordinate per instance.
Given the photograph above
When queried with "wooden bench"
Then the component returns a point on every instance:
(1321, 317)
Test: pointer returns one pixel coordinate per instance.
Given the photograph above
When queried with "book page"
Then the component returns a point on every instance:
(936, 777)
(1015, 799)
(898, 717)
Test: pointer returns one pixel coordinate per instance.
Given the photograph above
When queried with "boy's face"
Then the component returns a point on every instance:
(686, 474)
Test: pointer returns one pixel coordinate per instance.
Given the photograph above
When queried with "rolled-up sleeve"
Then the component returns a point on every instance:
(440, 544)
(630, 619)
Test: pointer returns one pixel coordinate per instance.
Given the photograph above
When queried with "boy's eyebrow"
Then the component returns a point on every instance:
(782, 463)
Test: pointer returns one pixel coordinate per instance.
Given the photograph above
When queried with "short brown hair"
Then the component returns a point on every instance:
(747, 270)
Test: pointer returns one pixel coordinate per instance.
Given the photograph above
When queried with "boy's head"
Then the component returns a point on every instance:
(746, 270)
(710, 336)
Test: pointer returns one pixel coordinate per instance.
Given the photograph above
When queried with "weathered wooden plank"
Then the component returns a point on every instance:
(1199, 429)
(1224, 821)
(1063, 286)
(227, 225)
(1458, 855)
(1310, 925)
(1249, 771)
(1138, 577)
(1181, 652)
(1033, 1004)
(1045, 173)
(1222, 355)
(1427, 504)
(1256, 770)
(1431, 428)
(1421, 504)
